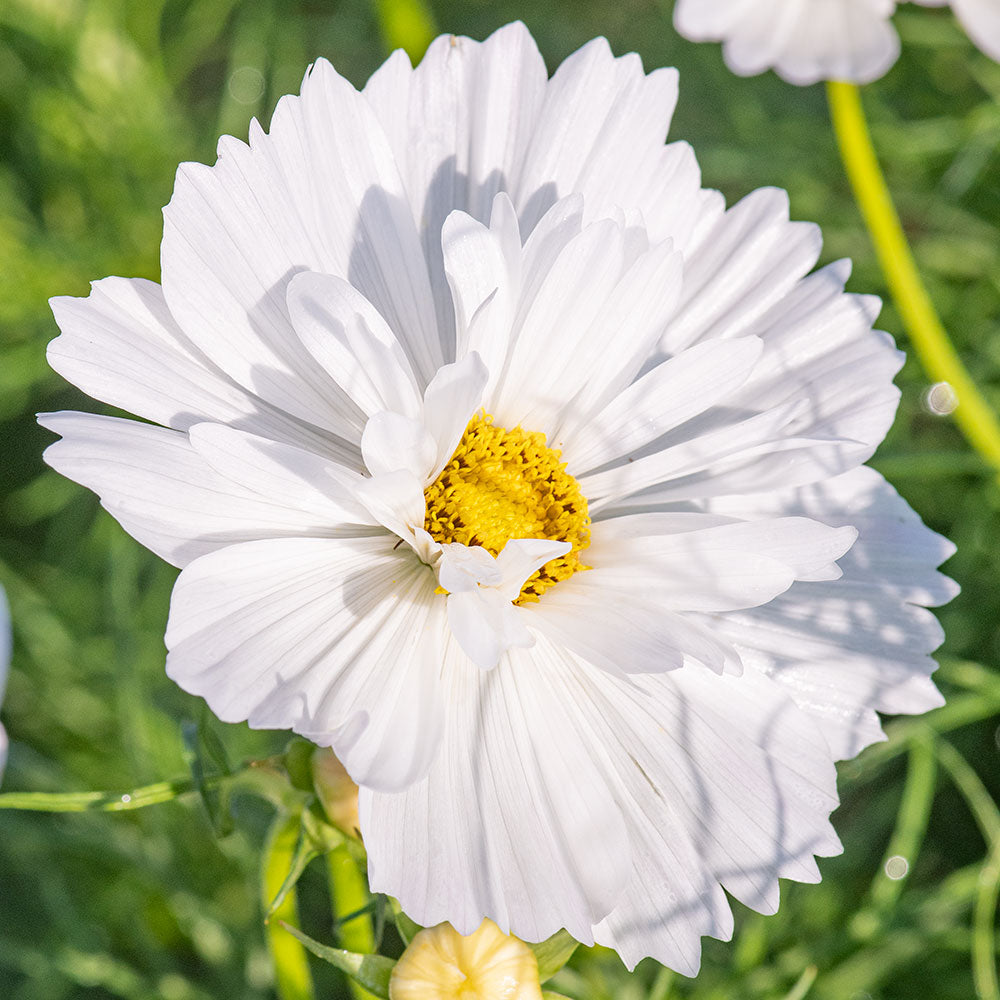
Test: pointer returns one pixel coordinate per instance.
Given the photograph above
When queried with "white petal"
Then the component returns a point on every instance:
(338, 639)
(981, 19)
(393, 443)
(664, 398)
(395, 500)
(306, 197)
(602, 121)
(121, 345)
(519, 559)
(621, 631)
(483, 270)
(585, 292)
(803, 41)
(819, 343)
(163, 493)
(516, 817)
(464, 567)
(481, 590)
(344, 332)
(453, 396)
(698, 467)
(486, 625)
(861, 645)
(737, 565)
(460, 124)
(282, 474)
(732, 768)
(749, 261)
(838, 41)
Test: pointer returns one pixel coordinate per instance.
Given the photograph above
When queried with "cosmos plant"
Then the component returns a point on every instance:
(503, 459)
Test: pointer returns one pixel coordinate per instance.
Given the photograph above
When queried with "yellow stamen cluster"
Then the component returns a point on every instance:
(502, 484)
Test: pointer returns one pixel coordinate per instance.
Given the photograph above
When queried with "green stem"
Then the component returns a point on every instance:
(139, 798)
(937, 354)
(291, 964)
(407, 25)
(911, 826)
(980, 802)
(256, 777)
(804, 984)
(351, 898)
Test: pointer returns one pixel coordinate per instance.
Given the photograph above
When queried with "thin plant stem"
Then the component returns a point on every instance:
(804, 984)
(407, 25)
(138, 798)
(291, 965)
(973, 415)
(987, 815)
(351, 909)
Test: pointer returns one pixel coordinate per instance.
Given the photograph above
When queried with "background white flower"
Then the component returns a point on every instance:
(340, 301)
(805, 41)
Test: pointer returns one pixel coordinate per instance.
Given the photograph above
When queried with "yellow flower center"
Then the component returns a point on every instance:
(502, 484)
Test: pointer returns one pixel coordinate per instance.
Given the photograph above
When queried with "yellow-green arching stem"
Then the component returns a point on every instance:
(350, 897)
(974, 416)
(406, 24)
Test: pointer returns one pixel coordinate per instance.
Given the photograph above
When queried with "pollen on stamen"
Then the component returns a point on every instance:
(502, 484)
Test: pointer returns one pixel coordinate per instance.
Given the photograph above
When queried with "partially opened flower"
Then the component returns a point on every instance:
(805, 41)
(980, 18)
(441, 964)
(503, 459)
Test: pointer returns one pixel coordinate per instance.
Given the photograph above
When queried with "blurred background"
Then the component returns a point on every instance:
(99, 101)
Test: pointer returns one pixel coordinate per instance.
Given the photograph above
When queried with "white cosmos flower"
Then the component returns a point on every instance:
(417, 342)
(805, 41)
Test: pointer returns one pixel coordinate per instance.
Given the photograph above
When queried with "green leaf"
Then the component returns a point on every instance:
(553, 953)
(407, 928)
(323, 836)
(370, 971)
(297, 760)
(207, 759)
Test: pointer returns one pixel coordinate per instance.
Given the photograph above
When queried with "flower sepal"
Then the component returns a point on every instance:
(369, 971)
(407, 929)
(552, 954)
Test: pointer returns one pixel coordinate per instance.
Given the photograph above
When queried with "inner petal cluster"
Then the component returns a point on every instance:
(502, 484)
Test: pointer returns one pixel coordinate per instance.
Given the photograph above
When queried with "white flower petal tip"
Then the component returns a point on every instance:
(481, 590)
(802, 42)
(851, 40)
(475, 310)
(396, 500)
(450, 399)
(441, 964)
(981, 19)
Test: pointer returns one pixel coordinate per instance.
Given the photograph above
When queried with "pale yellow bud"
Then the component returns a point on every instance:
(441, 964)
(337, 792)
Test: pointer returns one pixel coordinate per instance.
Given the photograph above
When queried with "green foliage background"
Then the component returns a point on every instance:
(99, 101)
